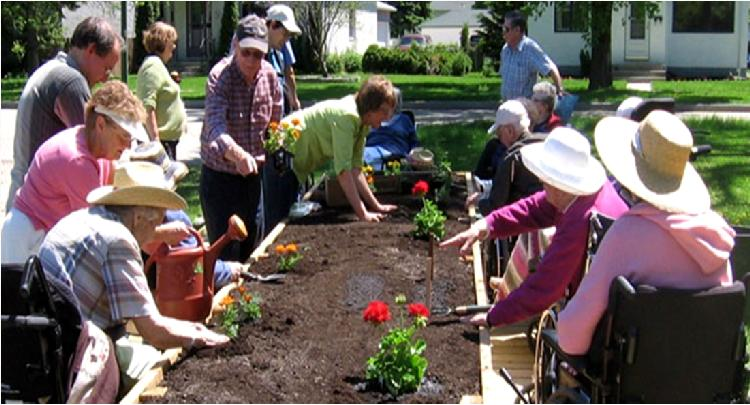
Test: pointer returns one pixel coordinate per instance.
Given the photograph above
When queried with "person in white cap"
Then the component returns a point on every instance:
(281, 27)
(242, 99)
(95, 252)
(671, 219)
(627, 106)
(574, 186)
(511, 181)
(69, 165)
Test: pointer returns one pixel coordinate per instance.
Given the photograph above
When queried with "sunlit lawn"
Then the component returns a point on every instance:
(472, 87)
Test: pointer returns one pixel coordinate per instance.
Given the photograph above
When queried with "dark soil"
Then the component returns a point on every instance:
(311, 344)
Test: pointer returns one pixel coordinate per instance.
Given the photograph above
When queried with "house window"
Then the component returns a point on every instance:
(703, 16)
(352, 25)
(569, 16)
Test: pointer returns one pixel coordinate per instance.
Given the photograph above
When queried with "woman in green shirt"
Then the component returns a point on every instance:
(157, 90)
(336, 130)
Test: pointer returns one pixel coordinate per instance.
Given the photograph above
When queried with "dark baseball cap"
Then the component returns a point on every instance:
(252, 33)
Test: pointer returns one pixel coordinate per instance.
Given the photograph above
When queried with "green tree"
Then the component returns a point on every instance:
(317, 19)
(31, 33)
(146, 13)
(229, 18)
(465, 38)
(409, 15)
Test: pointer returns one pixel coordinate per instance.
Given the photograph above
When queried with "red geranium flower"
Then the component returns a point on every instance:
(420, 188)
(377, 312)
(418, 309)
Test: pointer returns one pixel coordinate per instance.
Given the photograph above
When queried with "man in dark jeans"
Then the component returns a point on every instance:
(242, 99)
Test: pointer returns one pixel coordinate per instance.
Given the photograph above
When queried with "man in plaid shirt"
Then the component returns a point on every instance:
(522, 59)
(242, 98)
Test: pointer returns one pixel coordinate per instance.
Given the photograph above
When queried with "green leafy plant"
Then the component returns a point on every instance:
(239, 307)
(445, 178)
(289, 256)
(392, 168)
(282, 136)
(399, 365)
(430, 221)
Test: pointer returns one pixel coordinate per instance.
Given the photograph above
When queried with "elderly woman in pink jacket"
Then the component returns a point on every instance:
(669, 238)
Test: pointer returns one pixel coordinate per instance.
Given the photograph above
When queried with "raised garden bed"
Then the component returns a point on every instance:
(311, 344)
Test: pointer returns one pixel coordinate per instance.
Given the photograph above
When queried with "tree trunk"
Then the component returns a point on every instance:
(601, 45)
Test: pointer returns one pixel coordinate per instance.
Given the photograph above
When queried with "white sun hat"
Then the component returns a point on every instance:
(134, 128)
(564, 161)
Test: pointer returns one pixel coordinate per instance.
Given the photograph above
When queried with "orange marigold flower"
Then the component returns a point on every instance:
(227, 300)
(247, 297)
(296, 134)
(295, 121)
(274, 126)
(241, 289)
(370, 179)
(291, 248)
(280, 249)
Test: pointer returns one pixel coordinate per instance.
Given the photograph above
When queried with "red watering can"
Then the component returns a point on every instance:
(185, 276)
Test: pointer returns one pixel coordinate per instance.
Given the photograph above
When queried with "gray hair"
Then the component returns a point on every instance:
(545, 93)
(126, 212)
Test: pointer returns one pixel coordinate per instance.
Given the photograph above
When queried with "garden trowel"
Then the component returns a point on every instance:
(271, 278)
(461, 310)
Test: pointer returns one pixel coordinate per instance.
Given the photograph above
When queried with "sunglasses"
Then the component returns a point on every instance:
(246, 53)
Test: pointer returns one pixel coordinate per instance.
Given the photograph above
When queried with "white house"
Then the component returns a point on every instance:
(368, 24)
(691, 39)
(448, 21)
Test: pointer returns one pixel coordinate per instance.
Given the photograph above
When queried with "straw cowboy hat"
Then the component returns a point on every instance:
(564, 161)
(140, 184)
(650, 159)
(154, 152)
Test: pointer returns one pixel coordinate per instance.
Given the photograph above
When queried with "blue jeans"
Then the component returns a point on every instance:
(222, 195)
(280, 192)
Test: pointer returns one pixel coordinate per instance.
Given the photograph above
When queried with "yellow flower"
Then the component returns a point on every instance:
(295, 121)
(284, 125)
(296, 134)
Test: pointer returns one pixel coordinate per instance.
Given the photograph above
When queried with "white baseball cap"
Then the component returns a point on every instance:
(510, 112)
(283, 14)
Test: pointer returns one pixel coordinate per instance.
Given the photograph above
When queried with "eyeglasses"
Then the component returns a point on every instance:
(246, 53)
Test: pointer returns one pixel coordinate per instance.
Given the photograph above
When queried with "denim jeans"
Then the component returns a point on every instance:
(222, 195)
(280, 192)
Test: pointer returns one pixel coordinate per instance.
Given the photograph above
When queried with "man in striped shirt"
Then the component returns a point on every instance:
(242, 98)
(522, 59)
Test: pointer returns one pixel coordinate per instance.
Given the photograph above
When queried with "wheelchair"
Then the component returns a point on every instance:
(652, 345)
(41, 324)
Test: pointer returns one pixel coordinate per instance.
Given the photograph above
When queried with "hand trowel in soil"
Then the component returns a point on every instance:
(461, 310)
(271, 278)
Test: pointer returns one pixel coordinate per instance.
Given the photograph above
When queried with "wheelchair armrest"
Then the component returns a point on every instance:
(579, 363)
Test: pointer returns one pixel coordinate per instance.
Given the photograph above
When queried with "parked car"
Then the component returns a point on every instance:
(407, 40)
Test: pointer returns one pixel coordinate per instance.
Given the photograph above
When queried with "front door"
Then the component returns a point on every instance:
(198, 29)
(636, 32)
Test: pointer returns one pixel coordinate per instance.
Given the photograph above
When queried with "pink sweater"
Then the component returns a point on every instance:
(60, 177)
(648, 246)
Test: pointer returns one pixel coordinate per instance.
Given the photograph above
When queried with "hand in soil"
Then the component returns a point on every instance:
(476, 319)
(372, 216)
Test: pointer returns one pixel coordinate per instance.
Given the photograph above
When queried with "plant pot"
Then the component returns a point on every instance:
(281, 160)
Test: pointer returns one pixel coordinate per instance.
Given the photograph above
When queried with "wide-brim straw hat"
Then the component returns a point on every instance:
(651, 159)
(138, 184)
(564, 161)
(154, 152)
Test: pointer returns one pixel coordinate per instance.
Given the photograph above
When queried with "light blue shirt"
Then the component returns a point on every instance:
(519, 68)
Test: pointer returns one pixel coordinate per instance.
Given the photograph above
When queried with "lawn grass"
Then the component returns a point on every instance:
(472, 87)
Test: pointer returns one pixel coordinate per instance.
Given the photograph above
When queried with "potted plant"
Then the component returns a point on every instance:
(280, 142)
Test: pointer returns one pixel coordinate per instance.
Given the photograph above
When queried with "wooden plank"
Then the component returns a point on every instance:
(470, 399)
(153, 393)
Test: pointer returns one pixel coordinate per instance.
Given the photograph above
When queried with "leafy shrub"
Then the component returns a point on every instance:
(352, 61)
(437, 59)
(335, 63)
